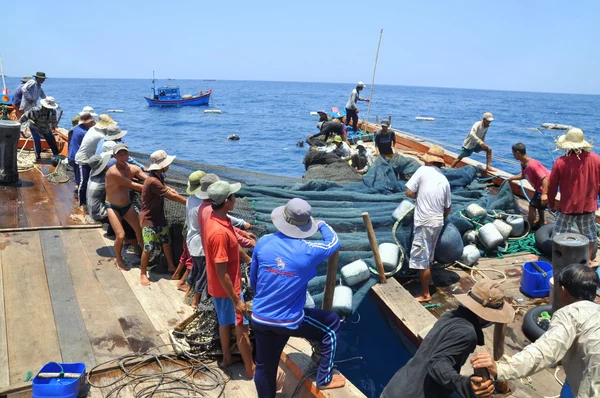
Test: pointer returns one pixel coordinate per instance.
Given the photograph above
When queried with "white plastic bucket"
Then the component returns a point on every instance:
(389, 253)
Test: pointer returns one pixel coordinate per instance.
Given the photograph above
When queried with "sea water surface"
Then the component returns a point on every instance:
(270, 117)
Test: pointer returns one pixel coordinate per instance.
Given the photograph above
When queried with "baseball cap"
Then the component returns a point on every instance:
(488, 116)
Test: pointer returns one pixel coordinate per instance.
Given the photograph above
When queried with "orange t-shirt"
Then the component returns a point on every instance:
(221, 247)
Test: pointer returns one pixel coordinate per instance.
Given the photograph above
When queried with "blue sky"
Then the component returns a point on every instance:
(531, 45)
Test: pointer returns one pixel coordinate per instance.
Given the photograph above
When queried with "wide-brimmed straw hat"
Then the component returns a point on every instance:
(221, 190)
(114, 133)
(160, 160)
(85, 118)
(194, 182)
(105, 121)
(295, 219)
(205, 183)
(40, 75)
(486, 300)
(573, 141)
(98, 163)
(435, 154)
(25, 79)
(88, 109)
(49, 102)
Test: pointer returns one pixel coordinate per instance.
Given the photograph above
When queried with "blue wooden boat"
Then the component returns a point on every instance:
(171, 96)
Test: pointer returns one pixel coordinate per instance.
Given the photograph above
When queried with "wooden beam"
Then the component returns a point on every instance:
(332, 267)
(374, 247)
(4, 374)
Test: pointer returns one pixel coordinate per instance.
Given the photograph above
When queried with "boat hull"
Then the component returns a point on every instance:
(194, 101)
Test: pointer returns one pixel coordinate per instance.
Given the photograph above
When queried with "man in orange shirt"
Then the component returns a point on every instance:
(224, 274)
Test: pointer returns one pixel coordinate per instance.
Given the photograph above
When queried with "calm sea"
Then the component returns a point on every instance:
(270, 117)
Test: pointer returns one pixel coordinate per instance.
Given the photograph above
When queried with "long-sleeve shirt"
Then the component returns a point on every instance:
(573, 338)
(43, 119)
(578, 176)
(434, 371)
(279, 274)
(32, 91)
(476, 136)
(76, 139)
(18, 96)
(354, 98)
(330, 129)
(87, 149)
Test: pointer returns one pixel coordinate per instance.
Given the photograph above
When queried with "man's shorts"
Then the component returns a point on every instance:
(226, 312)
(465, 153)
(536, 201)
(154, 237)
(586, 223)
(423, 246)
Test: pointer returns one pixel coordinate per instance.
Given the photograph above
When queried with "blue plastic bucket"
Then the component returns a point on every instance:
(533, 283)
(59, 387)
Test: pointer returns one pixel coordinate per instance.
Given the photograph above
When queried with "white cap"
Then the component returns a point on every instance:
(360, 84)
(488, 116)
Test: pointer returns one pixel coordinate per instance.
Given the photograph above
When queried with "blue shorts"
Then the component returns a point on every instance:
(465, 153)
(226, 312)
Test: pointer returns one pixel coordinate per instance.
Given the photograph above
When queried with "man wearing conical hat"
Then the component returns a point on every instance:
(577, 175)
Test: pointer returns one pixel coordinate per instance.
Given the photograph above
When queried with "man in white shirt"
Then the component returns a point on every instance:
(351, 108)
(475, 141)
(573, 338)
(432, 191)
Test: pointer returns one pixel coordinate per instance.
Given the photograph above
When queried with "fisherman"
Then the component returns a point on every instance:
(119, 183)
(224, 275)
(475, 141)
(96, 189)
(74, 123)
(17, 98)
(42, 120)
(87, 149)
(432, 191)
(351, 108)
(282, 265)
(573, 338)
(385, 140)
(362, 158)
(341, 148)
(86, 121)
(326, 131)
(434, 370)
(32, 91)
(538, 177)
(577, 174)
(155, 229)
(323, 116)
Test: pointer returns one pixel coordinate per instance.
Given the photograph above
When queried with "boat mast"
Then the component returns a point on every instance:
(153, 86)
(373, 80)
(4, 91)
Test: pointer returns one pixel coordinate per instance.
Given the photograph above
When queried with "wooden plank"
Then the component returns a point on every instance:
(9, 209)
(66, 208)
(72, 336)
(30, 329)
(175, 297)
(100, 319)
(35, 202)
(136, 326)
(4, 374)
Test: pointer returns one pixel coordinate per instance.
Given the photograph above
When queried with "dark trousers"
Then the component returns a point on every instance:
(37, 141)
(352, 114)
(197, 278)
(84, 176)
(318, 325)
(75, 168)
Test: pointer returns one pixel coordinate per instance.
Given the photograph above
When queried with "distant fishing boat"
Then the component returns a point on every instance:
(170, 96)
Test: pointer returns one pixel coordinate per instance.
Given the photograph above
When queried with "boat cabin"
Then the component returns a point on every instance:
(166, 93)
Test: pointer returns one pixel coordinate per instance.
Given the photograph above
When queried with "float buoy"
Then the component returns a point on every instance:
(114, 111)
(425, 119)
(217, 111)
(233, 137)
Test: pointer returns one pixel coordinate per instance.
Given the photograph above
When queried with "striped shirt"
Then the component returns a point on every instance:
(43, 119)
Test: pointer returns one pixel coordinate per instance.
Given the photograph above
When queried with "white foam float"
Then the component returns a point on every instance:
(217, 111)
(355, 272)
(314, 114)
(425, 118)
(115, 111)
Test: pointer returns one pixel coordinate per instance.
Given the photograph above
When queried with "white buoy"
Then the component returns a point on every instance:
(114, 111)
(389, 253)
(490, 236)
(342, 300)
(217, 111)
(314, 114)
(470, 255)
(355, 272)
(504, 228)
(474, 210)
(518, 225)
(425, 119)
(403, 209)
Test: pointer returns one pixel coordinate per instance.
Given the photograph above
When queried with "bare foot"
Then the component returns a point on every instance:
(337, 381)
(144, 280)
(121, 264)
(423, 298)
(182, 287)
(230, 361)
(280, 379)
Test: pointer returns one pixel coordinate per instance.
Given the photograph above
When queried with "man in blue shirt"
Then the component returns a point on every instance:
(282, 265)
(86, 121)
(18, 97)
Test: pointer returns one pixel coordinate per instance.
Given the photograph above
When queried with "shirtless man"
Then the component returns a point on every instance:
(119, 183)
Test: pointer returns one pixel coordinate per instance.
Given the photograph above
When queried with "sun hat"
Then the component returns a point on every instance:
(220, 190)
(109, 145)
(360, 84)
(118, 147)
(205, 183)
(105, 121)
(294, 219)
(160, 160)
(88, 109)
(360, 143)
(75, 120)
(434, 154)
(486, 300)
(194, 182)
(385, 122)
(337, 138)
(113, 133)
(85, 118)
(98, 163)
(49, 102)
(488, 116)
(25, 79)
(40, 75)
(322, 111)
(573, 141)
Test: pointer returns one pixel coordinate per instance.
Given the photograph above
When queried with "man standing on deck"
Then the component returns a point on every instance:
(351, 108)
(86, 121)
(155, 230)
(18, 97)
(434, 371)
(573, 338)
(42, 120)
(32, 91)
(385, 140)
(119, 183)
(577, 174)
(538, 177)
(432, 191)
(475, 141)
